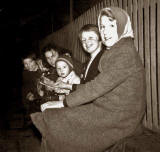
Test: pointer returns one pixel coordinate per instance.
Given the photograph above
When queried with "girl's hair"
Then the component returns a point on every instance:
(51, 46)
(56, 48)
(87, 28)
(107, 13)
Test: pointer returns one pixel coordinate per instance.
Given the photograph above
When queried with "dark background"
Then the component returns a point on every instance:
(21, 28)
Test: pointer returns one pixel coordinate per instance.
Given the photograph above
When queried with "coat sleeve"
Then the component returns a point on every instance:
(114, 69)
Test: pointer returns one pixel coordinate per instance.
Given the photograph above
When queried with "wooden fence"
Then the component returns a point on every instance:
(145, 17)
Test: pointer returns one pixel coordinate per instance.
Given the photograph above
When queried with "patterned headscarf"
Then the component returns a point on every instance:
(124, 27)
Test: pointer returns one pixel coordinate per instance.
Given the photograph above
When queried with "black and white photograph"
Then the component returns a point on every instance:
(80, 76)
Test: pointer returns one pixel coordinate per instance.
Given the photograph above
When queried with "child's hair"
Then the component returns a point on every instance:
(67, 59)
(30, 55)
(56, 48)
(49, 47)
(87, 28)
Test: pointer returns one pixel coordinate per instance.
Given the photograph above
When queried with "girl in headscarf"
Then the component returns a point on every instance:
(114, 24)
(108, 108)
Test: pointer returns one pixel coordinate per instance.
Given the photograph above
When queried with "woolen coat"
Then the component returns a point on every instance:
(116, 110)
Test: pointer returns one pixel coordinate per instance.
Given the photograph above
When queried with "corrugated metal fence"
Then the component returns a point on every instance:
(145, 17)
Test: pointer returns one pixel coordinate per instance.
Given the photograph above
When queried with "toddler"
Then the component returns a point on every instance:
(67, 75)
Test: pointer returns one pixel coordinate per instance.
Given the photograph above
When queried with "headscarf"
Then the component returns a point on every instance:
(124, 27)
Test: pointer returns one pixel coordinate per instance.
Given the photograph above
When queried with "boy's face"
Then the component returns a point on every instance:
(108, 31)
(90, 41)
(62, 69)
(30, 64)
(51, 57)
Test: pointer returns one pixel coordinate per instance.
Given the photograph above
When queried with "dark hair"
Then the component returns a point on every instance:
(30, 55)
(56, 48)
(49, 47)
(107, 13)
(89, 27)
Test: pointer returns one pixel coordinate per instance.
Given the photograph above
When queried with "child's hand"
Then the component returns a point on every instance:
(57, 90)
(30, 96)
(41, 66)
(49, 84)
(41, 93)
(49, 88)
(48, 81)
(39, 89)
(63, 85)
(61, 97)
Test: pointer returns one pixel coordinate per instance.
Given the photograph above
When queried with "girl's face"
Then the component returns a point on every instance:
(51, 57)
(30, 64)
(62, 69)
(108, 31)
(90, 41)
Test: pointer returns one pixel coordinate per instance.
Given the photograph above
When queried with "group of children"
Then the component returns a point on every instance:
(39, 81)
(57, 66)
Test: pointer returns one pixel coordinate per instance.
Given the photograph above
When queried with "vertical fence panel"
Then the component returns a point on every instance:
(94, 15)
(153, 64)
(130, 10)
(135, 26)
(158, 57)
(77, 49)
(147, 63)
(120, 3)
(112, 2)
(76, 53)
(140, 29)
(116, 3)
(124, 4)
(108, 3)
(105, 3)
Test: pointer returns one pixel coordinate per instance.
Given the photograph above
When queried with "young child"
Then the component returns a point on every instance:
(30, 75)
(67, 75)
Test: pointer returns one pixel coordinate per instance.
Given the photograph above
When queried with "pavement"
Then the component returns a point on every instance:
(17, 137)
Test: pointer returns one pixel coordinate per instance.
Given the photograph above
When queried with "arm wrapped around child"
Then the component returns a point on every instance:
(62, 89)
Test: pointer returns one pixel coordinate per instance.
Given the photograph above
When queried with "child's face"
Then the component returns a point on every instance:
(108, 31)
(30, 64)
(62, 69)
(90, 41)
(51, 57)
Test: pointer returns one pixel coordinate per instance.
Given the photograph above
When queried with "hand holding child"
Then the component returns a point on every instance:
(63, 85)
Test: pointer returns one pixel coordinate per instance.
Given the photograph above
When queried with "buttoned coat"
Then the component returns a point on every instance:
(116, 110)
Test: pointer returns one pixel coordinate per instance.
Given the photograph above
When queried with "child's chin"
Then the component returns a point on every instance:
(63, 76)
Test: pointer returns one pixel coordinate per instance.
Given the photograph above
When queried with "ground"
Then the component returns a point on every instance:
(16, 137)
